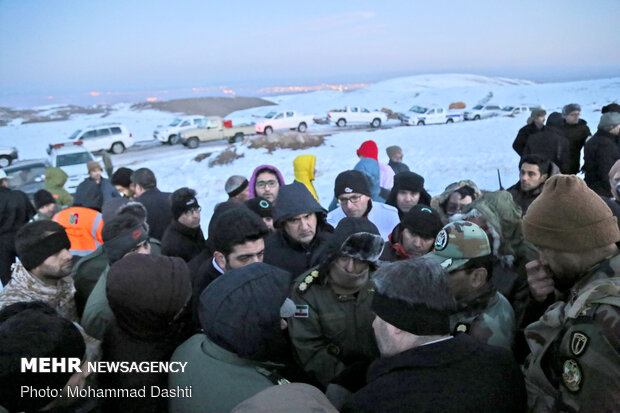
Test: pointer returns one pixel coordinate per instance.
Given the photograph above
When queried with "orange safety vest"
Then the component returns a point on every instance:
(83, 226)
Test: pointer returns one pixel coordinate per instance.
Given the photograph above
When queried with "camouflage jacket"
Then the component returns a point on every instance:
(487, 316)
(575, 362)
(331, 331)
(26, 287)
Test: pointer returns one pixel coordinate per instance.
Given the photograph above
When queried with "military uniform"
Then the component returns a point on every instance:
(575, 361)
(487, 316)
(331, 331)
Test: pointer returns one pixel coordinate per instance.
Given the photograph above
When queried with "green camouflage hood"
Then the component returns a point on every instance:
(457, 243)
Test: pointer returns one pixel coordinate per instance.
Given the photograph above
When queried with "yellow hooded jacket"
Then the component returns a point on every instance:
(304, 172)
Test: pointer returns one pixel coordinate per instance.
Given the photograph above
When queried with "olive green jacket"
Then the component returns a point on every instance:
(331, 331)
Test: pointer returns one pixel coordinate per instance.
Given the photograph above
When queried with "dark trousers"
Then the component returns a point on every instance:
(7, 256)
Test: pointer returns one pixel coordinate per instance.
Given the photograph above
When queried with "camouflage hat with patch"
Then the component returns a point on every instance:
(457, 243)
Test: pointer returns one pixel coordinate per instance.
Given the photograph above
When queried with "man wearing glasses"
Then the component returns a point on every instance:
(266, 182)
(353, 194)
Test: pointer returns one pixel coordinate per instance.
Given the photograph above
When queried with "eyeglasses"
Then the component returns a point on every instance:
(354, 199)
(271, 183)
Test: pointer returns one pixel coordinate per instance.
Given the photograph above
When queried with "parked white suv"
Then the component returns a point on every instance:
(170, 134)
(72, 158)
(482, 112)
(7, 155)
(112, 137)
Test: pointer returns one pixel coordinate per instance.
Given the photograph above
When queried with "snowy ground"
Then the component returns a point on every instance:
(441, 153)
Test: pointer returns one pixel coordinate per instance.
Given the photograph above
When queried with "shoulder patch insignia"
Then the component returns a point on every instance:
(578, 343)
(301, 311)
(303, 286)
(572, 375)
(442, 240)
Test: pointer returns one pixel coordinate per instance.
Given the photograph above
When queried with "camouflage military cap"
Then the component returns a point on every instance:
(457, 243)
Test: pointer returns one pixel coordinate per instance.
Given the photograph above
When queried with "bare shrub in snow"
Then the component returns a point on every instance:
(225, 157)
(287, 140)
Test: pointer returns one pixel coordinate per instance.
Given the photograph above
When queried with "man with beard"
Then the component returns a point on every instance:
(462, 248)
(534, 170)
(414, 236)
(332, 326)
(45, 263)
(573, 363)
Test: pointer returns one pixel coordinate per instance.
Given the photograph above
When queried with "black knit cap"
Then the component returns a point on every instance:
(42, 198)
(409, 181)
(422, 220)
(351, 182)
(122, 177)
(260, 206)
(183, 200)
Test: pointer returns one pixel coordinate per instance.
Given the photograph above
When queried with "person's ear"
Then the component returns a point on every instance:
(220, 259)
(546, 176)
(478, 277)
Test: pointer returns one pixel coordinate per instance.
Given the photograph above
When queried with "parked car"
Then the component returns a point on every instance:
(356, 114)
(27, 176)
(283, 120)
(72, 158)
(7, 155)
(215, 128)
(112, 137)
(417, 115)
(482, 112)
(170, 134)
(515, 110)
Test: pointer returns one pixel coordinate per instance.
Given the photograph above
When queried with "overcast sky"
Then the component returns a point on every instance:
(50, 46)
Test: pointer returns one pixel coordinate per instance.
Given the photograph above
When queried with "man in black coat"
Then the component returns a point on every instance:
(550, 143)
(300, 229)
(422, 367)
(395, 153)
(535, 124)
(15, 211)
(183, 237)
(576, 131)
(534, 170)
(157, 203)
(601, 153)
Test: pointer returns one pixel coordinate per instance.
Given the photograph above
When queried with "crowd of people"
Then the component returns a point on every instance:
(389, 300)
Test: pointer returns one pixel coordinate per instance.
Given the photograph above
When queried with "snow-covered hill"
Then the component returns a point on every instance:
(441, 153)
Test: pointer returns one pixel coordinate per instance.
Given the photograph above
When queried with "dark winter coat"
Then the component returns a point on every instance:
(91, 194)
(523, 136)
(280, 249)
(158, 211)
(201, 279)
(15, 211)
(182, 241)
(576, 135)
(455, 375)
(398, 166)
(601, 153)
(550, 143)
(393, 250)
(524, 198)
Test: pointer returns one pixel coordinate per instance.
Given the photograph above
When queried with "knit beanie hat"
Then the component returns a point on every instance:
(369, 149)
(392, 151)
(609, 121)
(570, 108)
(183, 200)
(612, 107)
(235, 185)
(122, 177)
(410, 181)
(422, 220)
(42, 198)
(569, 216)
(351, 182)
(260, 206)
(92, 165)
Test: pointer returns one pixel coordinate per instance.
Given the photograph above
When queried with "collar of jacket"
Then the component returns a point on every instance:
(478, 300)
(433, 355)
(530, 194)
(185, 230)
(607, 268)
(211, 349)
(401, 253)
(296, 245)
